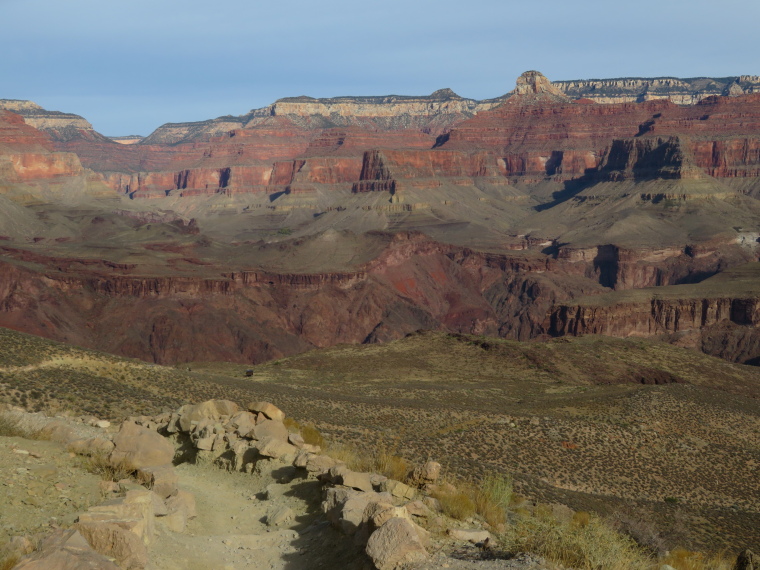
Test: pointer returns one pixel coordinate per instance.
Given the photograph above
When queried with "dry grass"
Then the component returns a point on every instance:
(312, 436)
(383, 461)
(493, 497)
(10, 428)
(586, 543)
(682, 559)
(456, 502)
(13, 424)
(99, 464)
(9, 561)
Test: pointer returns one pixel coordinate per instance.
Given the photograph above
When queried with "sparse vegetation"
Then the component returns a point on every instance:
(99, 464)
(456, 502)
(682, 559)
(475, 402)
(586, 543)
(493, 498)
(9, 427)
(8, 560)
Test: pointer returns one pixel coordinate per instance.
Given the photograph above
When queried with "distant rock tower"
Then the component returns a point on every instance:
(533, 83)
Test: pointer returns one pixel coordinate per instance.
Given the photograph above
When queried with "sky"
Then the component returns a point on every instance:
(129, 66)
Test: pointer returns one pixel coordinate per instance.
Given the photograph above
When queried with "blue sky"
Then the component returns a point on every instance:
(129, 66)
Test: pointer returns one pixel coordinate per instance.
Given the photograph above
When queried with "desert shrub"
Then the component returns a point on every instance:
(346, 453)
(456, 502)
(682, 559)
(8, 561)
(99, 464)
(581, 519)
(640, 526)
(10, 427)
(585, 543)
(493, 497)
(312, 436)
(392, 466)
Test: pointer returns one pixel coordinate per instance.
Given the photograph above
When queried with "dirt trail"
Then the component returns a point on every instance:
(230, 531)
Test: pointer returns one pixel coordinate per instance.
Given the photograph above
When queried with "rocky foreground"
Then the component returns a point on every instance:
(276, 514)
(277, 502)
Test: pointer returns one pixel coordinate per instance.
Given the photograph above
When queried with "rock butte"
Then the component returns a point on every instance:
(313, 222)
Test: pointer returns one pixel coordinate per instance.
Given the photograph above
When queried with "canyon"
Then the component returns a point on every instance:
(315, 222)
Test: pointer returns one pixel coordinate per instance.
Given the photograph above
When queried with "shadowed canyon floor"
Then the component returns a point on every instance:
(652, 432)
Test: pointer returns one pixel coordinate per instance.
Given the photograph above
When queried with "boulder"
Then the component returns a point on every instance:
(162, 479)
(270, 428)
(205, 443)
(136, 447)
(243, 422)
(269, 410)
(65, 550)
(133, 512)
(296, 439)
(347, 509)
(159, 505)
(394, 544)
(342, 475)
(276, 448)
(244, 454)
(173, 425)
(475, 536)
(398, 490)
(210, 410)
(181, 509)
(419, 509)
(313, 463)
(427, 473)
(377, 514)
(115, 542)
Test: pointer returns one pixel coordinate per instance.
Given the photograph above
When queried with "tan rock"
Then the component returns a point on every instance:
(159, 505)
(426, 474)
(276, 448)
(269, 410)
(162, 479)
(296, 439)
(134, 512)
(475, 536)
(342, 475)
(347, 509)
(210, 410)
(181, 509)
(205, 443)
(313, 463)
(137, 447)
(270, 428)
(115, 542)
(377, 514)
(399, 490)
(65, 550)
(244, 454)
(394, 544)
(419, 509)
